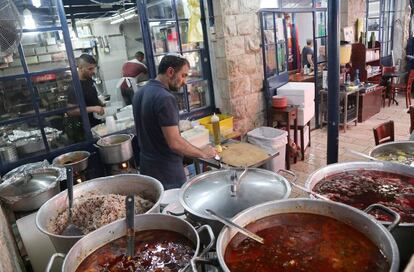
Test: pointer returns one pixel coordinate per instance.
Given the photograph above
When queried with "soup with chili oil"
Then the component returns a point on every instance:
(304, 242)
(155, 251)
(361, 188)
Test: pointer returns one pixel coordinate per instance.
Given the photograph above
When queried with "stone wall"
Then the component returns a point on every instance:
(401, 31)
(352, 10)
(237, 62)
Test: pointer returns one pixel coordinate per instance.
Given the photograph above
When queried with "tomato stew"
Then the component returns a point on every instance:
(304, 242)
(155, 251)
(361, 188)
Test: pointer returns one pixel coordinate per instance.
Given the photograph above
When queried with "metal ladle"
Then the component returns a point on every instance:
(130, 213)
(240, 229)
(71, 229)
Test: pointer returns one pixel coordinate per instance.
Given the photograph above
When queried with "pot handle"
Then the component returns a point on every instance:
(290, 173)
(131, 135)
(397, 217)
(201, 258)
(175, 214)
(52, 260)
(97, 146)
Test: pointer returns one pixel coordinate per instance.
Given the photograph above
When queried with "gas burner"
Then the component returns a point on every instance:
(127, 167)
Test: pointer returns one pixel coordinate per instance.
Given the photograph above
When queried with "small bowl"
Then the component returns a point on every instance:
(279, 101)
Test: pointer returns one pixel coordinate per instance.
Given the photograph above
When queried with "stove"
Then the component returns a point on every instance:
(127, 167)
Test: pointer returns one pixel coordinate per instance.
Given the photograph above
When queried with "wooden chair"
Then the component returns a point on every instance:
(384, 133)
(411, 119)
(406, 87)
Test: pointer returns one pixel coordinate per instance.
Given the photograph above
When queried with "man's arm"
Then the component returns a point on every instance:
(180, 145)
(309, 58)
(76, 112)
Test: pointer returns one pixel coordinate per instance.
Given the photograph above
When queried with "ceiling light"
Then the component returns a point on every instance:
(37, 3)
(29, 22)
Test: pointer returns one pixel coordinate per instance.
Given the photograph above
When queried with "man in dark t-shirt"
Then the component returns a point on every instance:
(86, 69)
(307, 54)
(156, 120)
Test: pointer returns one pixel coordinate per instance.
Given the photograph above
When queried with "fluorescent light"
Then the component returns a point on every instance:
(129, 16)
(37, 3)
(29, 22)
(117, 21)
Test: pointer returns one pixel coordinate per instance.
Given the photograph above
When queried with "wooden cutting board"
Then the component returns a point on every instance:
(242, 154)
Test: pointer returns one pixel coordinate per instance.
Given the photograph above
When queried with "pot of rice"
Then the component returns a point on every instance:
(97, 202)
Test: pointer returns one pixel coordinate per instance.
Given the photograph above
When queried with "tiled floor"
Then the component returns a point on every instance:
(359, 138)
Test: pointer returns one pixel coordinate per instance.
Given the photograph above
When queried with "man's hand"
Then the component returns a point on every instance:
(99, 110)
(209, 152)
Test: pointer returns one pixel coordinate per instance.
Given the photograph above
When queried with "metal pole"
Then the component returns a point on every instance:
(333, 81)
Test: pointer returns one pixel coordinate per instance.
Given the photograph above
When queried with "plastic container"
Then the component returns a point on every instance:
(197, 136)
(272, 140)
(279, 101)
(226, 124)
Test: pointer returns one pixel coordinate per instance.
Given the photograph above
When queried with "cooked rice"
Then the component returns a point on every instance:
(92, 211)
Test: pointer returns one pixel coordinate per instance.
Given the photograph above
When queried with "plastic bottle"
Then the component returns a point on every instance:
(215, 121)
(348, 79)
(356, 80)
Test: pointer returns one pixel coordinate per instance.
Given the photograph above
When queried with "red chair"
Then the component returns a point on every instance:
(384, 133)
(406, 88)
(411, 119)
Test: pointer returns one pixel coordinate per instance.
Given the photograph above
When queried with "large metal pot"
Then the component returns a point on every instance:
(378, 234)
(404, 233)
(115, 230)
(406, 146)
(147, 187)
(78, 160)
(219, 191)
(115, 148)
(8, 153)
(28, 190)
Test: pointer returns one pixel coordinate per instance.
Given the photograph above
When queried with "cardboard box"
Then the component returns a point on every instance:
(226, 124)
(298, 93)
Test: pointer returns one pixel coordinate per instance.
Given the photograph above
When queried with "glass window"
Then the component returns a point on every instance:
(15, 99)
(281, 57)
(320, 24)
(270, 53)
(44, 51)
(374, 9)
(11, 65)
(157, 9)
(164, 37)
(321, 3)
(23, 138)
(321, 50)
(62, 130)
(45, 15)
(196, 72)
(191, 39)
(53, 89)
(198, 94)
(297, 4)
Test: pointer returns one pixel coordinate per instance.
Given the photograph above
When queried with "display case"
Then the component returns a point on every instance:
(34, 86)
(178, 26)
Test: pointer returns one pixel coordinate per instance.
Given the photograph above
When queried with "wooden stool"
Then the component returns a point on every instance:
(302, 139)
(286, 115)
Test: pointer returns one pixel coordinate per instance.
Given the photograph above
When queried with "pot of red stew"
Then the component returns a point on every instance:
(162, 243)
(307, 235)
(360, 184)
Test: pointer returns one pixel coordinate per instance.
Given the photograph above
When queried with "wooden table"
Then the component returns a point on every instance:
(287, 116)
(346, 116)
(216, 164)
(299, 77)
(370, 103)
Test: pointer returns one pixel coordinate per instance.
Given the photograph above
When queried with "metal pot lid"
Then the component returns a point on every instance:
(71, 158)
(213, 190)
(31, 182)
